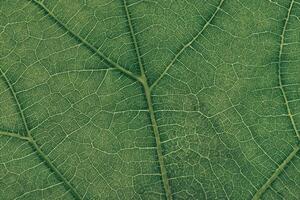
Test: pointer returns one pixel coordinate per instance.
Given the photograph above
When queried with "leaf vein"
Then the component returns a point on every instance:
(276, 173)
(13, 135)
(187, 45)
(144, 82)
(33, 143)
(133, 37)
(282, 166)
(85, 42)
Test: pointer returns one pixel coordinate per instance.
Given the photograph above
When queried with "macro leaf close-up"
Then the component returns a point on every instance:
(149, 99)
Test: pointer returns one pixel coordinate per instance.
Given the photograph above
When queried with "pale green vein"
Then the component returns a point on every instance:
(35, 146)
(137, 49)
(281, 167)
(14, 135)
(13, 93)
(85, 42)
(274, 176)
(160, 156)
(281, 86)
(187, 45)
(144, 81)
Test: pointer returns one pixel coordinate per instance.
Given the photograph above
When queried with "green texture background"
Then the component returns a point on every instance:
(149, 99)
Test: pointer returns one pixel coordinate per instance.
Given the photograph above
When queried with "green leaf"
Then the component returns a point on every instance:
(149, 99)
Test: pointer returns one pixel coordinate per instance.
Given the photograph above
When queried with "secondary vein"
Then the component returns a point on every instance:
(282, 166)
(187, 45)
(133, 37)
(14, 135)
(281, 86)
(33, 143)
(85, 42)
(276, 173)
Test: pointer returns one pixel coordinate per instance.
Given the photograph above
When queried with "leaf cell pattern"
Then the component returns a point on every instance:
(149, 99)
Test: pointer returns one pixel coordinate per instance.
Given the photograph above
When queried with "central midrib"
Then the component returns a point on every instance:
(159, 151)
(147, 92)
(141, 79)
(148, 88)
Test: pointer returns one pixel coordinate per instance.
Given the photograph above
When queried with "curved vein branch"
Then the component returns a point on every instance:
(276, 173)
(188, 45)
(33, 143)
(13, 93)
(281, 167)
(85, 42)
(281, 85)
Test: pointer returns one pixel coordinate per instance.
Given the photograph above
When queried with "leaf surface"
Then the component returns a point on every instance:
(149, 99)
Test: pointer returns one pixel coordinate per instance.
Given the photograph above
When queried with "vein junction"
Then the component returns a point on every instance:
(33, 143)
(142, 79)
